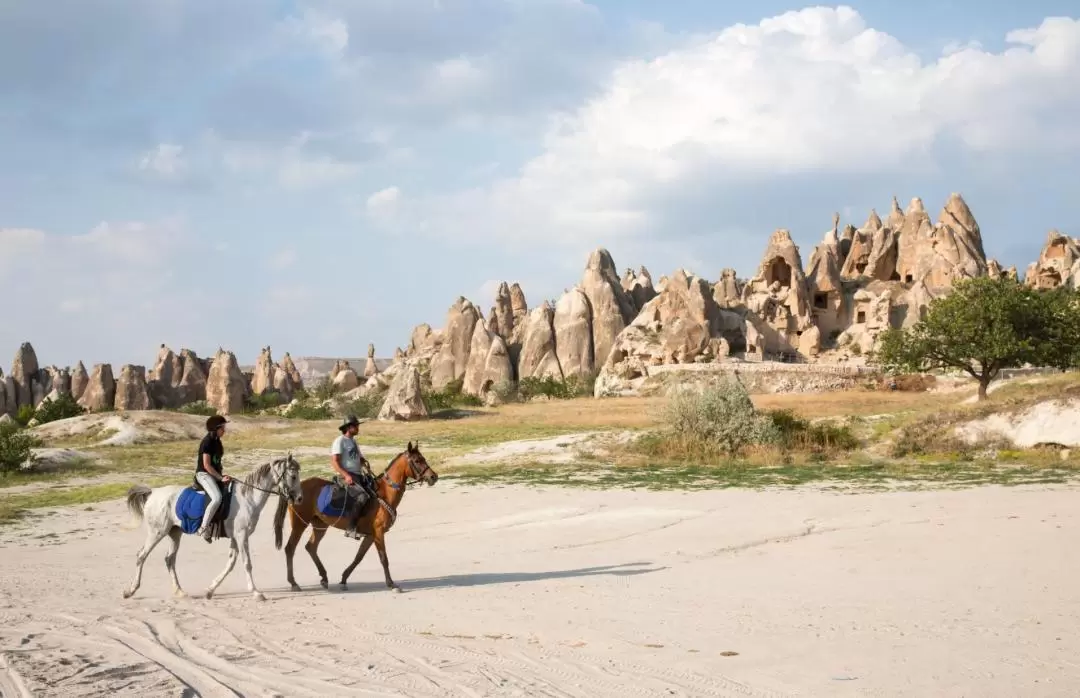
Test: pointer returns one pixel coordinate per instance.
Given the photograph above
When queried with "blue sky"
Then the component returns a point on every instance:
(320, 174)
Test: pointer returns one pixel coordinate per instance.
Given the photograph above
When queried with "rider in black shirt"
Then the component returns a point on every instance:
(208, 470)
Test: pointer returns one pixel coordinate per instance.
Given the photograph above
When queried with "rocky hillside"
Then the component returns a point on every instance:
(615, 329)
(856, 283)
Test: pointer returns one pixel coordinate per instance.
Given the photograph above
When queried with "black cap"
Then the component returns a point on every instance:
(216, 421)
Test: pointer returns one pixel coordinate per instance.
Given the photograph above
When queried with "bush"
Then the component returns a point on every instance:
(720, 418)
(506, 391)
(24, 415)
(324, 389)
(554, 389)
(308, 411)
(363, 406)
(796, 433)
(450, 396)
(199, 407)
(261, 403)
(15, 448)
(61, 407)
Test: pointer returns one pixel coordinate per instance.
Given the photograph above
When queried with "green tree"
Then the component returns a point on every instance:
(984, 325)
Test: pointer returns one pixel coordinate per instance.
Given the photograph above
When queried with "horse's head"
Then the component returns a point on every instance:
(418, 465)
(287, 475)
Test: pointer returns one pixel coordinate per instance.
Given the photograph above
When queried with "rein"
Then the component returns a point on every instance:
(404, 484)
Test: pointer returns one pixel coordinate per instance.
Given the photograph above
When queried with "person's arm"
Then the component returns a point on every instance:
(335, 462)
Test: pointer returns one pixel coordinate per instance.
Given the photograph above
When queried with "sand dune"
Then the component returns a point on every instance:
(511, 591)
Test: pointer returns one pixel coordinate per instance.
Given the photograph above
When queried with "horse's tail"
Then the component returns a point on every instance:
(136, 500)
(279, 521)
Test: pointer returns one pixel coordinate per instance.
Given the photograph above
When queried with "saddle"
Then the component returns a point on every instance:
(336, 499)
(192, 502)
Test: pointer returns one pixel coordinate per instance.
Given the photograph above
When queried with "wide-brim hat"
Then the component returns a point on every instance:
(350, 421)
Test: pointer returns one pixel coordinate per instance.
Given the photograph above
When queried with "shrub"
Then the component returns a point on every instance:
(450, 396)
(506, 391)
(261, 403)
(308, 411)
(719, 417)
(362, 406)
(24, 415)
(62, 406)
(15, 448)
(324, 389)
(554, 389)
(199, 407)
(796, 433)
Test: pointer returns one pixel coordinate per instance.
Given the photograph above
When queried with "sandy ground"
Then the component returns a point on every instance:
(519, 592)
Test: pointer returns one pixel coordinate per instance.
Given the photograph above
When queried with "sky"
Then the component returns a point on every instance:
(315, 175)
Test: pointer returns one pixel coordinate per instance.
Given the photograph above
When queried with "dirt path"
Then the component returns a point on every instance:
(555, 592)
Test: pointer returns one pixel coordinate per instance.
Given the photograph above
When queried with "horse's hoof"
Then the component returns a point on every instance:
(296, 587)
(395, 589)
(180, 594)
(343, 586)
(324, 584)
(209, 594)
(258, 596)
(128, 593)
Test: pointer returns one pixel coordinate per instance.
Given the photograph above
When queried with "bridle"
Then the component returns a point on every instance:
(278, 487)
(416, 475)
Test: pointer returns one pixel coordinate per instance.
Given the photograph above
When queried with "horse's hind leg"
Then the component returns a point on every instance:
(312, 546)
(175, 534)
(296, 530)
(364, 547)
(153, 537)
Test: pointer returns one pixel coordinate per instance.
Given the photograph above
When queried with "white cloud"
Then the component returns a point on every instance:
(383, 202)
(814, 91)
(328, 35)
(118, 285)
(283, 259)
(165, 160)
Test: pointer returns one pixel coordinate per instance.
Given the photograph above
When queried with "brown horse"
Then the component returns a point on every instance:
(379, 515)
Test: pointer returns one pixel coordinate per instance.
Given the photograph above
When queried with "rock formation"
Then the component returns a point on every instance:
(24, 371)
(728, 290)
(404, 401)
(489, 362)
(262, 378)
(100, 392)
(344, 378)
(612, 309)
(1057, 263)
(824, 283)
(452, 359)
(777, 295)
(132, 392)
(539, 357)
(226, 387)
(572, 325)
(684, 324)
(370, 369)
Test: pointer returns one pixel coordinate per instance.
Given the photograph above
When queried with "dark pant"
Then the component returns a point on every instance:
(358, 496)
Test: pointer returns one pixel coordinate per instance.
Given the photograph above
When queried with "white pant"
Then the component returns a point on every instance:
(211, 487)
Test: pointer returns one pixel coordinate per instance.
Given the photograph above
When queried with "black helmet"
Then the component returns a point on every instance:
(350, 421)
(213, 423)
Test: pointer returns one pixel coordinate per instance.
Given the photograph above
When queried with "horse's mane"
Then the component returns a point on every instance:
(260, 472)
(388, 465)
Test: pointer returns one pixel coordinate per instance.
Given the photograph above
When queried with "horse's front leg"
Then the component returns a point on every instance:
(153, 537)
(233, 553)
(380, 546)
(245, 550)
(364, 547)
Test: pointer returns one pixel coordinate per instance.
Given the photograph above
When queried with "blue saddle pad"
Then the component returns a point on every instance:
(327, 504)
(191, 504)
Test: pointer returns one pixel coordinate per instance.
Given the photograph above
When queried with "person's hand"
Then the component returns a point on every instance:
(225, 478)
(349, 480)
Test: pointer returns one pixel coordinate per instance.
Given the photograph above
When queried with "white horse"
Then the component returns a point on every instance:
(158, 508)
